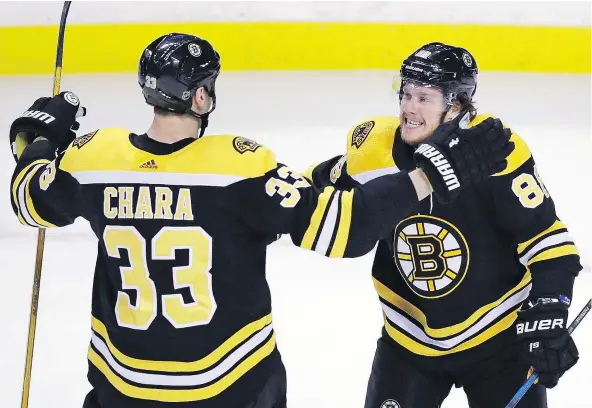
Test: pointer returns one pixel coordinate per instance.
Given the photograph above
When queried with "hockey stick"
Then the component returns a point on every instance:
(57, 78)
(531, 380)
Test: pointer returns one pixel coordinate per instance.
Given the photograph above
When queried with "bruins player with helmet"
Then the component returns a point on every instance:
(474, 293)
(181, 310)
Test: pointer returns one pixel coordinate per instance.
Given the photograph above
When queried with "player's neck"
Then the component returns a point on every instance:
(171, 129)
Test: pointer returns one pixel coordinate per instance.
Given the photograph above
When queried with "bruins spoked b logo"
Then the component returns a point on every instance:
(390, 403)
(431, 254)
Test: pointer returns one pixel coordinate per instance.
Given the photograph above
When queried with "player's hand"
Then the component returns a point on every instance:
(546, 344)
(454, 158)
(51, 118)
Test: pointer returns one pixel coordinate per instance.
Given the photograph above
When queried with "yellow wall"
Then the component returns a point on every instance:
(96, 48)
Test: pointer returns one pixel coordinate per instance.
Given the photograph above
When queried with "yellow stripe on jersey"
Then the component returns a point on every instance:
(110, 150)
(421, 349)
(373, 149)
(557, 225)
(416, 313)
(347, 199)
(31, 207)
(178, 366)
(556, 252)
(15, 186)
(21, 175)
(519, 155)
(182, 395)
(317, 216)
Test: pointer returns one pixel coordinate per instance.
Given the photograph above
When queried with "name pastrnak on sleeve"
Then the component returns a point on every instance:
(42, 194)
(331, 222)
(525, 208)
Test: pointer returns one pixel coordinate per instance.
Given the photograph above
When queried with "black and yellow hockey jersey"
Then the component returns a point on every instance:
(181, 309)
(450, 279)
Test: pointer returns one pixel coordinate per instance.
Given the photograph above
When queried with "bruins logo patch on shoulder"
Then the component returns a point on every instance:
(84, 139)
(361, 132)
(243, 145)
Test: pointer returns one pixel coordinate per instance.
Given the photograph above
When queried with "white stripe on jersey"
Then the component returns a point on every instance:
(183, 380)
(545, 243)
(329, 225)
(171, 179)
(367, 176)
(411, 328)
(22, 196)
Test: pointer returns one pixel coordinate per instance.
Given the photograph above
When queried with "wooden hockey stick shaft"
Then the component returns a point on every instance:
(57, 78)
(532, 379)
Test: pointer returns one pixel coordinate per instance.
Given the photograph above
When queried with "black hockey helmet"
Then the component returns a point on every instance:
(452, 69)
(173, 67)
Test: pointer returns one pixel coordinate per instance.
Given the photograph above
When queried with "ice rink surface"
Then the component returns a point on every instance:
(327, 315)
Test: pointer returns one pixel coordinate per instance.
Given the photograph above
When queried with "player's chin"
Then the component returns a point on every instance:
(414, 136)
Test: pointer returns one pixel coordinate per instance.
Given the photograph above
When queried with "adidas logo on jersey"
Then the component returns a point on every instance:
(441, 164)
(42, 116)
(150, 164)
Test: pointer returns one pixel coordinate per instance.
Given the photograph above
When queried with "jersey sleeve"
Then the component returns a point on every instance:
(524, 208)
(42, 194)
(331, 222)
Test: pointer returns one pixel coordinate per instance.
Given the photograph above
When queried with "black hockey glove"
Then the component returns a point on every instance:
(52, 118)
(454, 158)
(546, 344)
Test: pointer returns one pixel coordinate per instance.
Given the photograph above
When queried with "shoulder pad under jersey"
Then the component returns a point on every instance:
(110, 150)
(370, 148)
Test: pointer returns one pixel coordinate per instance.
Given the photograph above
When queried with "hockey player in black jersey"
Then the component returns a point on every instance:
(181, 310)
(474, 293)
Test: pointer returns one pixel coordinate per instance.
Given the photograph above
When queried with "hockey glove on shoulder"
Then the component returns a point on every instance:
(546, 345)
(52, 118)
(454, 158)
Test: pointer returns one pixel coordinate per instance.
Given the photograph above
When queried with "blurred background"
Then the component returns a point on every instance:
(296, 76)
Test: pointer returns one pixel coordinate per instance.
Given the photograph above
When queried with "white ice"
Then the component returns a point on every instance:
(327, 315)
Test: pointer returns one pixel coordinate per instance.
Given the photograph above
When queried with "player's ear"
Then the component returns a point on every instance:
(199, 96)
(199, 99)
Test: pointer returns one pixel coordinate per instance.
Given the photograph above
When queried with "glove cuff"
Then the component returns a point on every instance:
(439, 171)
(552, 283)
(31, 128)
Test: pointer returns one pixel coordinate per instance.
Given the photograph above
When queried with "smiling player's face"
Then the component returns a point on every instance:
(422, 109)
